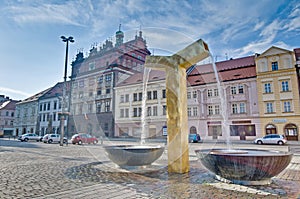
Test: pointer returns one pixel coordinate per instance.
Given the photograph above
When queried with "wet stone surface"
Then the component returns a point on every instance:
(38, 170)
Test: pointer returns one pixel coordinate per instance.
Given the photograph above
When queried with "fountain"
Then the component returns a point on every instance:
(245, 166)
(175, 67)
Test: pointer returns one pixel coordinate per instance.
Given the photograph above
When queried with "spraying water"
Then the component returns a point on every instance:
(223, 100)
(143, 117)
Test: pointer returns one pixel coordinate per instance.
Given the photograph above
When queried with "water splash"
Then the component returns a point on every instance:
(223, 100)
(144, 98)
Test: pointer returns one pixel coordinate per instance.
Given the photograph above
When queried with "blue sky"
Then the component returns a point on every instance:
(32, 53)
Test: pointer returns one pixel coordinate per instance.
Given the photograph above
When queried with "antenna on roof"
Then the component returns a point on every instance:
(120, 26)
(226, 56)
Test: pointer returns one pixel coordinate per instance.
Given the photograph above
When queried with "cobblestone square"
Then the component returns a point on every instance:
(38, 170)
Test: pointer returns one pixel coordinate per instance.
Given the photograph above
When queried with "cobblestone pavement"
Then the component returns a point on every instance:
(38, 170)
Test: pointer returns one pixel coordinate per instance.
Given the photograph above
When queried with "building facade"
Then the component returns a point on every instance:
(27, 115)
(7, 115)
(131, 119)
(93, 81)
(278, 92)
(238, 89)
(49, 107)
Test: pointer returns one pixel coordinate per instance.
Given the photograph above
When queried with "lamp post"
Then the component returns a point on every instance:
(63, 106)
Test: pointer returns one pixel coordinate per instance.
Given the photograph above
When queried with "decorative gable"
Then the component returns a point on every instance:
(274, 51)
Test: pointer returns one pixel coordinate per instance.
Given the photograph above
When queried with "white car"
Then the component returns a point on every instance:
(29, 136)
(271, 139)
(50, 138)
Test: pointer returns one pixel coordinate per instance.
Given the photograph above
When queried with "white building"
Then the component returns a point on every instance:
(27, 116)
(128, 106)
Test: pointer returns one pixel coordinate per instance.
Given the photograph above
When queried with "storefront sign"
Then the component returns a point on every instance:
(279, 120)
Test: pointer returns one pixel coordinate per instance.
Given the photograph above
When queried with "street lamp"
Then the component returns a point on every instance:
(63, 112)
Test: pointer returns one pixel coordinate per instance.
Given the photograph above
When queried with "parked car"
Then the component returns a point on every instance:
(50, 138)
(29, 136)
(193, 137)
(271, 139)
(83, 138)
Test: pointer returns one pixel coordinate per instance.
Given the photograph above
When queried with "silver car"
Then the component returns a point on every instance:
(29, 136)
(271, 139)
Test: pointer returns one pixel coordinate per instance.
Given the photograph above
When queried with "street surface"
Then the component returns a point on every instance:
(39, 170)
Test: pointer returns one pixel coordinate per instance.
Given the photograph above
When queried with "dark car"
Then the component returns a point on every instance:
(83, 138)
(193, 137)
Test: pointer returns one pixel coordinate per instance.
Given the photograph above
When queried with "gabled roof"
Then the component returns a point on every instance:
(35, 97)
(8, 105)
(273, 50)
(56, 90)
(137, 78)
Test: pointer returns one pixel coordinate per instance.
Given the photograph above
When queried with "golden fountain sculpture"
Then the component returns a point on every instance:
(177, 119)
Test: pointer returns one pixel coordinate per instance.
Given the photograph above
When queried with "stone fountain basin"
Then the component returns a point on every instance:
(244, 165)
(133, 155)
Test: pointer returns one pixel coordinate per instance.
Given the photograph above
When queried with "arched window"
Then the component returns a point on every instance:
(271, 129)
(193, 130)
(290, 130)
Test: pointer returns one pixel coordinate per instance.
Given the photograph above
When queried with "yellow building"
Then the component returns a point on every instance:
(278, 92)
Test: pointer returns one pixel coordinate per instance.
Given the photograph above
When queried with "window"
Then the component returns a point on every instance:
(81, 83)
(99, 92)
(107, 106)
(268, 88)
(122, 99)
(287, 106)
(194, 94)
(92, 66)
(164, 93)
(209, 93)
(135, 112)
(134, 97)
(127, 98)
(216, 92)
(233, 90)
(48, 106)
(189, 111)
(108, 77)
(121, 113)
(217, 109)
(195, 111)
(54, 116)
(234, 108)
(189, 95)
(106, 126)
(41, 107)
(154, 110)
(274, 66)
(55, 105)
(45, 106)
(154, 94)
(81, 94)
(269, 107)
(140, 96)
(100, 80)
(98, 106)
(242, 108)
(108, 91)
(126, 112)
(241, 89)
(164, 109)
(149, 111)
(91, 94)
(210, 110)
(285, 86)
(149, 95)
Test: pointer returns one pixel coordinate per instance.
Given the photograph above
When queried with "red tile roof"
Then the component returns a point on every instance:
(137, 78)
(230, 70)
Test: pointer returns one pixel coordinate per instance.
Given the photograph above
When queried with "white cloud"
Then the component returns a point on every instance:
(13, 92)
